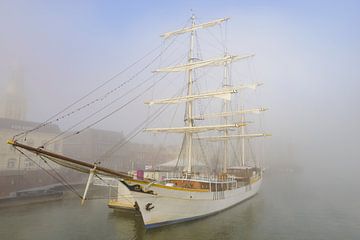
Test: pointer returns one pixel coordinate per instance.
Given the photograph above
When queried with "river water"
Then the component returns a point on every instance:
(289, 206)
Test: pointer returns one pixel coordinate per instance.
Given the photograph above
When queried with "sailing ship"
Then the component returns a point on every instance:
(187, 194)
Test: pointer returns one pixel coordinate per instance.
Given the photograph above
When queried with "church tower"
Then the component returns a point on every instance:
(13, 102)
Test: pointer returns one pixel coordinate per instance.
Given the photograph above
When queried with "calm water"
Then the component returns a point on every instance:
(289, 206)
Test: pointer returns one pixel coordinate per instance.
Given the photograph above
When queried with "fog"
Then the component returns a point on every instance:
(307, 56)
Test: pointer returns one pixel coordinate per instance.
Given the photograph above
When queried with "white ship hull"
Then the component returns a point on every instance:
(169, 206)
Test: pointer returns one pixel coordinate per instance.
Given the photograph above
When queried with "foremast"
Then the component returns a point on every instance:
(189, 108)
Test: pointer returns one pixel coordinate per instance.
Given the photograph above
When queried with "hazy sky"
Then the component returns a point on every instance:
(307, 54)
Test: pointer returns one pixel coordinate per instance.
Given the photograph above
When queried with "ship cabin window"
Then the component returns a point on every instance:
(11, 163)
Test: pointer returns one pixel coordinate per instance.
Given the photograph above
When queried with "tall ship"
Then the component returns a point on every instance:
(217, 135)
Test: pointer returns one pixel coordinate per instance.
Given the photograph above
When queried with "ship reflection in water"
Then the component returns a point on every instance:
(285, 208)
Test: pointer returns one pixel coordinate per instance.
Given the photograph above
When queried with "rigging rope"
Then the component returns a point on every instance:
(165, 136)
(180, 153)
(204, 154)
(67, 185)
(93, 114)
(234, 151)
(133, 133)
(60, 176)
(108, 115)
(137, 130)
(52, 140)
(50, 120)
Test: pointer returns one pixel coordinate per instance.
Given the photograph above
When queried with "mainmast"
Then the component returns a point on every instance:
(189, 120)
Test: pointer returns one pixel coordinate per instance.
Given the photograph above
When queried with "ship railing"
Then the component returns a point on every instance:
(211, 179)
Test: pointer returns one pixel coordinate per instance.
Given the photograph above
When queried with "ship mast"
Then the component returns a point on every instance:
(226, 109)
(243, 142)
(189, 120)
